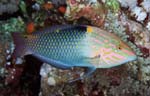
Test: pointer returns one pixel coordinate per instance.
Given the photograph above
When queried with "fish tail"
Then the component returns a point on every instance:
(19, 43)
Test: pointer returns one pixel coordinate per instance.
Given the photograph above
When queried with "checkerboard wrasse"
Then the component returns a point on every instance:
(68, 46)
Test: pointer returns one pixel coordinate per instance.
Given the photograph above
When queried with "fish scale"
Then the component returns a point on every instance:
(67, 46)
(57, 45)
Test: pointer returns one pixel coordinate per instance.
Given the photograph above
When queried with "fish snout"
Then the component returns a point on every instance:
(132, 56)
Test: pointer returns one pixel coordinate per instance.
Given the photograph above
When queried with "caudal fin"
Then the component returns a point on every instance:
(19, 43)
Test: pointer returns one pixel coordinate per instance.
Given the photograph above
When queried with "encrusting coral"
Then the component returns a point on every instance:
(128, 19)
(8, 6)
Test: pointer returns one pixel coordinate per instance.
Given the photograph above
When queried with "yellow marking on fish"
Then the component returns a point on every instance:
(107, 52)
(89, 29)
(109, 60)
(115, 58)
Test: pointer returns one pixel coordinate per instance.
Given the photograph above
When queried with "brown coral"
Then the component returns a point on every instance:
(94, 12)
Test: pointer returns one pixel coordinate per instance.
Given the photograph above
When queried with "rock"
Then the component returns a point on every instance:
(51, 81)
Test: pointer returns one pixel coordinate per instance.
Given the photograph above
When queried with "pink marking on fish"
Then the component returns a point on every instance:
(112, 45)
(106, 41)
(117, 55)
(93, 46)
(97, 41)
(110, 60)
(102, 52)
(128, 52)
(105, 51)
(104, 36)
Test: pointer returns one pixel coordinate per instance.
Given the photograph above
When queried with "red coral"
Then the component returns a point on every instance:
(81, 87)
(96, 91)
(73, 2)
(93, 91)
(14, 75)
(145, 51)
(116, 74)
(131, 37)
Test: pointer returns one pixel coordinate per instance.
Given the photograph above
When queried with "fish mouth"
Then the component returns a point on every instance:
(132, 57)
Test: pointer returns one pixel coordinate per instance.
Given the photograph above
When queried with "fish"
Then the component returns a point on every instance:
(70, 46)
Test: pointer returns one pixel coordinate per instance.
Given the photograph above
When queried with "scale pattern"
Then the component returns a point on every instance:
(61, 45)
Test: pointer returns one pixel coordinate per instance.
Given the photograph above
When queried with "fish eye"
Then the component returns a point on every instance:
(119, 48)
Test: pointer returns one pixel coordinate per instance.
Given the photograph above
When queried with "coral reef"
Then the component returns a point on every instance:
(8, 6)
(6, 46)
(110, 81)
(128, 19)
(138, 10)
(77, 9)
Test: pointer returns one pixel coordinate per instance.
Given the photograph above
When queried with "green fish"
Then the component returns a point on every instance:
(68, 46)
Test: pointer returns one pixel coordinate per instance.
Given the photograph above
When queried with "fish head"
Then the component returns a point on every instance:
(108, 50)
(114, 54)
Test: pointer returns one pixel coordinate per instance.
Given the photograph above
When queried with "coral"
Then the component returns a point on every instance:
(55, 18)
(23, 7)
(51, 81)
(130, 23)
(2, 72)
(14, 75)
(2, 53)
(125, 88)
(113, 5)
(146, 5)
(6, 49)
(58, 2)
(8, 6)
(142, 35)
(77, 9)
(137, 9)
(40, 1)
(62, 9)
(148, 26)
(128, 3)
(12, 25)
(30, 28)
(58, 75)
(139, 13)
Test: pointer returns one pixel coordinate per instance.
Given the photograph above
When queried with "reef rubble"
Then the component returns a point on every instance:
(128, 19)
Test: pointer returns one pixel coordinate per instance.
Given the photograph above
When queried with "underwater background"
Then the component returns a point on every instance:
(128, 19)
